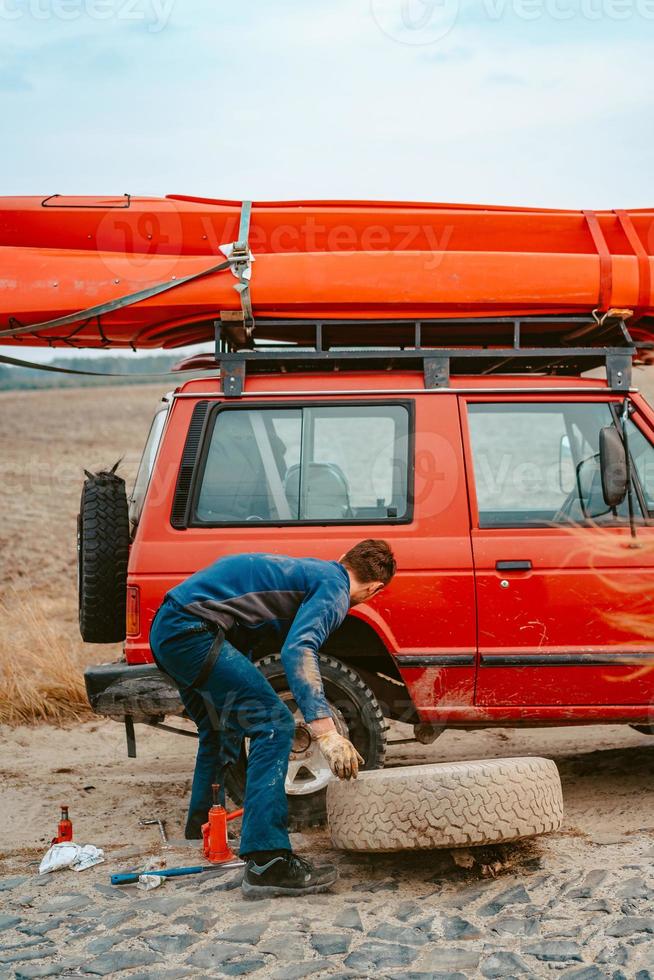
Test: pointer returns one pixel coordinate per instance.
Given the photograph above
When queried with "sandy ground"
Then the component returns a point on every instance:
(607, 774)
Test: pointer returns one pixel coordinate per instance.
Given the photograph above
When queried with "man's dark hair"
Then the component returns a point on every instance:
(371, 561)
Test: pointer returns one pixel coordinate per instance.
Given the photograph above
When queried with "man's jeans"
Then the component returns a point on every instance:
(235, 701)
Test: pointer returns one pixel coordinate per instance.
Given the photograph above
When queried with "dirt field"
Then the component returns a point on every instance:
(47, 439)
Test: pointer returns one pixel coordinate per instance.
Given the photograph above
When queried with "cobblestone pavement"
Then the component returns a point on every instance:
(392, 916)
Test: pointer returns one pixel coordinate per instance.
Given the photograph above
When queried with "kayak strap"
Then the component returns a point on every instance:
(240, 259)
(644, 275)
(38, 366)
(115, 304)
(606, 262)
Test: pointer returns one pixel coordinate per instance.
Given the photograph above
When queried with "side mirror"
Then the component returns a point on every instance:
(613, 466)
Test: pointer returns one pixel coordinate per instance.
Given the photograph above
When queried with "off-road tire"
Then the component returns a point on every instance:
(450, 805)
(361, 711)
(102, 553)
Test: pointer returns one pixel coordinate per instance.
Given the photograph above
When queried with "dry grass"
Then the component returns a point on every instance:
(43, 683)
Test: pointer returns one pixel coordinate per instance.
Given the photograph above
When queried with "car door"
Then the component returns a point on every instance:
(560, 585)
(313, 477)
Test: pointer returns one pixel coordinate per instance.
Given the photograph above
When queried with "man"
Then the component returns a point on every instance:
(204, 636)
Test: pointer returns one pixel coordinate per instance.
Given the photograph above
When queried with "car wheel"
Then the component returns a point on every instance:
(356, 714)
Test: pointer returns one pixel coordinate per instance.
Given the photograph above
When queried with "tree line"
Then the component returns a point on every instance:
(14, 378)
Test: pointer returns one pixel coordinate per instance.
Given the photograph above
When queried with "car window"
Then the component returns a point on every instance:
(146, 465)
(315, 463)
(539, 464)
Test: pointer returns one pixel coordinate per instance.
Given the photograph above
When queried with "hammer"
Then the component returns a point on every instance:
(160, 824)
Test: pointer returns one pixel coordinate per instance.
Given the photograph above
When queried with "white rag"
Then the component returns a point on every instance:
(147, 882)
(68, 855)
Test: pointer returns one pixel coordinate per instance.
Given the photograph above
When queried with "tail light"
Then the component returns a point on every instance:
(133, 617)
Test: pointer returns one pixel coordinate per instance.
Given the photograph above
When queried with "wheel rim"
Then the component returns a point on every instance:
(308, 771)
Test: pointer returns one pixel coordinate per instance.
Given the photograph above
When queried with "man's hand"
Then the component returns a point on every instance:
(343, 758)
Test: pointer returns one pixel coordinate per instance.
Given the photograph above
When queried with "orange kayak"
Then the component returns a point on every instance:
(149, 272)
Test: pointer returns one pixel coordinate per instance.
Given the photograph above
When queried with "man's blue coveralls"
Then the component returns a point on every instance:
(261, 603)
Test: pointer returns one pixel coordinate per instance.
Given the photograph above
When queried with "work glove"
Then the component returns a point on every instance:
(343, 758)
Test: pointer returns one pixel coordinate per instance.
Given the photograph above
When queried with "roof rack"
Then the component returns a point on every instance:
(538, 344)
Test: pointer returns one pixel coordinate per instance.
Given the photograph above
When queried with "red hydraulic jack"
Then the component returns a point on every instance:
(65, 827)
(214, 831)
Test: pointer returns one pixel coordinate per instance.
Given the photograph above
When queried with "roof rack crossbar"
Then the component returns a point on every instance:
(437, 361)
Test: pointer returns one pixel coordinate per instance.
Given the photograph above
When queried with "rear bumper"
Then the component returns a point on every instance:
(140, 691)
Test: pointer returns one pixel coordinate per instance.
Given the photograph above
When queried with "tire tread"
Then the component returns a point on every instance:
(447, 805)
(104, 552)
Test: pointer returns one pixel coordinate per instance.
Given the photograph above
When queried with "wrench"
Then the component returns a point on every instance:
(160, 824)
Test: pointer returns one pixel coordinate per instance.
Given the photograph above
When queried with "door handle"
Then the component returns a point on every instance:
(513, 566)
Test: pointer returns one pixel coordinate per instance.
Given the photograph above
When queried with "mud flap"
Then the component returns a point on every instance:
(130, 735)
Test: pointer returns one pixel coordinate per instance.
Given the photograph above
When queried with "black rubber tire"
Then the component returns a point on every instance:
(362, 714)
(102, 554)
(643, 729)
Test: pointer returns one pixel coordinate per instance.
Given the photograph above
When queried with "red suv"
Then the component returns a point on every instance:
(517, 495)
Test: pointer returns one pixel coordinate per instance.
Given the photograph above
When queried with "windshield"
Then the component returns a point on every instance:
(145, 467)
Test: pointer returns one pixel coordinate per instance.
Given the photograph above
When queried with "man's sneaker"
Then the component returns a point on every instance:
(287, 875)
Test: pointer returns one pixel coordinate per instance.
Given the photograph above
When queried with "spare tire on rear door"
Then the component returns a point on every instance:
(457, 804)
(102, 553)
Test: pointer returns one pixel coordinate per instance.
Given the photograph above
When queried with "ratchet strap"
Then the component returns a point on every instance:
(241, 258)
(37, 366)
(238, 259)
(644, 275)
(606, 263)
(112, 305)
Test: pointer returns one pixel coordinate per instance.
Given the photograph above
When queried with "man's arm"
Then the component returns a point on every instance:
(322, 611)
(319, 615)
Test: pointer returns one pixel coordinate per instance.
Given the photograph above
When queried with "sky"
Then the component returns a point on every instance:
(533, 102)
